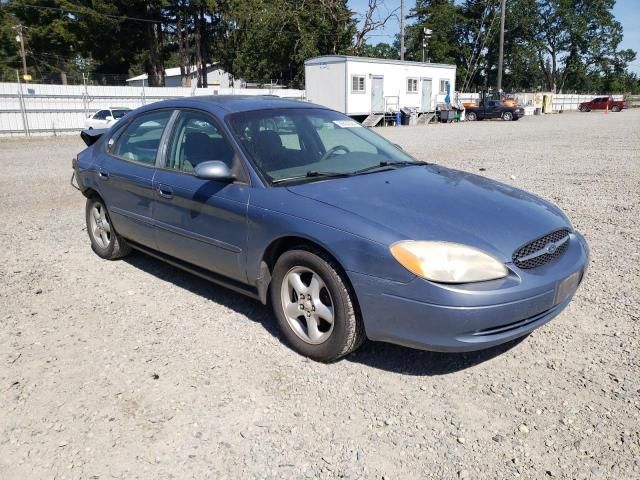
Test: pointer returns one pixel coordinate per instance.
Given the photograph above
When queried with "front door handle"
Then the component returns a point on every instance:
(103, 174)
(165, 191)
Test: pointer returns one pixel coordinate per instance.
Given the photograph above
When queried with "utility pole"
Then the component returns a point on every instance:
(501, 49)
(401, 29)
(426, 35)
(20, 38)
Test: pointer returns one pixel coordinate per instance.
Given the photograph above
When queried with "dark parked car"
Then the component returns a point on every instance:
(602, 103)
(493, 109)
(346, 235)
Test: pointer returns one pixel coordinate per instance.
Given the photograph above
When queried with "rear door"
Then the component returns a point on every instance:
(125, 175)
(203, 222)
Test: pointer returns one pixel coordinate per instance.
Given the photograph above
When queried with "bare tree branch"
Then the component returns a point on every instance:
(373, 20)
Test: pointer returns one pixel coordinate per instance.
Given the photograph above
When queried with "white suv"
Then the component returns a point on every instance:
(105, 118)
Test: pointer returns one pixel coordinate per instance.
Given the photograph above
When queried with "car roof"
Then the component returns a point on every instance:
(234, 103)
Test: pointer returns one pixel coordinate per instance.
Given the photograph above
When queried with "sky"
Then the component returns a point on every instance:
(626, 12)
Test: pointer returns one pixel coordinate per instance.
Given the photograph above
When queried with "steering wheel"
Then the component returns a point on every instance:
(333, 150)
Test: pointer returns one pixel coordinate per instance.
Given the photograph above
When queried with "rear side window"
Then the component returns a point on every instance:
(141, 139)
(119, 113)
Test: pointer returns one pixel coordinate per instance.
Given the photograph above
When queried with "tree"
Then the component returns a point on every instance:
(374, 18)
(269, 40)
(380, 50)
(575, 39)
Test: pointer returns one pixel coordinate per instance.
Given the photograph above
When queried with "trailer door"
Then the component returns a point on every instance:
(426, 95)
(377, 94)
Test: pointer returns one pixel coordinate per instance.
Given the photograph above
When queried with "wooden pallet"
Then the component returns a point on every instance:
(373, 119)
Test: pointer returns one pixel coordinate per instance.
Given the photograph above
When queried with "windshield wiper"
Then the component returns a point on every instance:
(313, 174)
(384, 165)
(319, 174)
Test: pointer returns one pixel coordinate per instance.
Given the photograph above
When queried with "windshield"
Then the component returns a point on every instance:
(302, 143)
(119, 113)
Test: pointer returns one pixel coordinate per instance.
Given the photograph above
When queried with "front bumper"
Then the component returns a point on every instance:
(456, 318)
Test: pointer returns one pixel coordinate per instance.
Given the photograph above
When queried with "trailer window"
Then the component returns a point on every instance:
(357, 84)
(412, 85)
(443, 86)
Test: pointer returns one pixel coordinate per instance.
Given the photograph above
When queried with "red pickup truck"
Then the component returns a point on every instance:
(601, 103)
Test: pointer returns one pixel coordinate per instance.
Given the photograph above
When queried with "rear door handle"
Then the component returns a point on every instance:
(103, 175)
(165, 191)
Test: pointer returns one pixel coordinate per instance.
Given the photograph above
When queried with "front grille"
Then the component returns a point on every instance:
(542, 250)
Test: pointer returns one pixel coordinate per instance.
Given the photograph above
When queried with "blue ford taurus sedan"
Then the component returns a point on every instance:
(346, 236)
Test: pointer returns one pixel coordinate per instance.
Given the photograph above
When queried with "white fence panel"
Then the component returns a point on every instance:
(53, 109)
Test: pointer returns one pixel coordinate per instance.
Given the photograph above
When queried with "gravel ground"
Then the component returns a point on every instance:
(133, 369)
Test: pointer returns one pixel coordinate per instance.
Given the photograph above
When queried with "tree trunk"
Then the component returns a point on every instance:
(63, 74)
(554, 72)
(155, 66)
(182, 30)
(202, 47)
(198, 43)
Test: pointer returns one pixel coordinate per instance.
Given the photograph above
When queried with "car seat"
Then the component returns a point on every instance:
(269, 150)
(198, 148)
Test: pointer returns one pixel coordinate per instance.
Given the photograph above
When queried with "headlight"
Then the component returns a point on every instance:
(447, 262)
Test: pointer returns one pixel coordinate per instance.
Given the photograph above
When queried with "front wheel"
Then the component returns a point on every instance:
(314, 306)
(105, 242)
(471, 116)
(507, 116)
(615, 108)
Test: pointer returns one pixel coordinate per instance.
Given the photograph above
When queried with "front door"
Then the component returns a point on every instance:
(203, 222)
(125, 176)
(492, 109)
(377, 94)
(427, 89)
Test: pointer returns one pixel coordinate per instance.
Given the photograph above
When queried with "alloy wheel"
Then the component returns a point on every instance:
(100, 227)
(307, 304)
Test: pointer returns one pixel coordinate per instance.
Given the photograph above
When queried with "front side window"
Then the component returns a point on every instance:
(196, 139)
(101, 115)
(306, 143)
(141, 139)
(357, 83)
(412, 85)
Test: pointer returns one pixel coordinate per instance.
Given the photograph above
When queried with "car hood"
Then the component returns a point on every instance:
(436, 203)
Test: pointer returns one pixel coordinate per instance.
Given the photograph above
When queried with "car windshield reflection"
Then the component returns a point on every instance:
(298, 144)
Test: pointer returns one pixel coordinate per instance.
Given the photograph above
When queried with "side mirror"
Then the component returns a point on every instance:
(109, 118)
(214, 170)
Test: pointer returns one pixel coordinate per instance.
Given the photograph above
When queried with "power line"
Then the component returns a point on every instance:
(88, 12)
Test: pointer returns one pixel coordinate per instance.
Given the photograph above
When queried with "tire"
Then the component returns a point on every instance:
(105, 241)
(313, 273)
(582, 108)
(507, 116)
(471, 116)
(615, 108)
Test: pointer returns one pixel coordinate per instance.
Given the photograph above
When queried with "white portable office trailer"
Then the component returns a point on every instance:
(361, 86)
